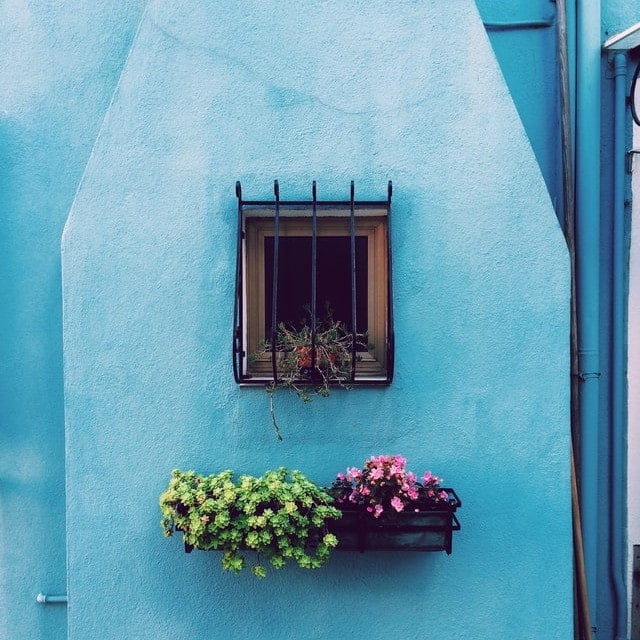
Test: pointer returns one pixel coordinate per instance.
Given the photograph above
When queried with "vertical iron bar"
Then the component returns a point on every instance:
(390, 331)
(314, 274)
(237, 303)
(352, 231)
(274, 296)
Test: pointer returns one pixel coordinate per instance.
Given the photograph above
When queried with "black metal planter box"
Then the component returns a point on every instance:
(425, 530)
(428, 529)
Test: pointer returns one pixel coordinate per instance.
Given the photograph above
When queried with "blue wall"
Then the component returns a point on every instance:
(523, 37)
(60, 64)
(371, 91)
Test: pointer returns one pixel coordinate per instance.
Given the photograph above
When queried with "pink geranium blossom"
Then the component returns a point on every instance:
(354, 474)
(385, 485)
(429, 478)
(376, 473)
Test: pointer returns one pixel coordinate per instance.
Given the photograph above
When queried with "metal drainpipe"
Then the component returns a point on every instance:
(618, 437)
(588, 43)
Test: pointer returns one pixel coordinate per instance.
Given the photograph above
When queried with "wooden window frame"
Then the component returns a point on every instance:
(259, 224)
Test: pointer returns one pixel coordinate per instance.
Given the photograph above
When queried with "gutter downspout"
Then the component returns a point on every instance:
(566, 55)
(588, 272)
(617, 499)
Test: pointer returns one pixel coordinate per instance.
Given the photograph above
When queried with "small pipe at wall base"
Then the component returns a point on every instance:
(514, 26)
(45, 599)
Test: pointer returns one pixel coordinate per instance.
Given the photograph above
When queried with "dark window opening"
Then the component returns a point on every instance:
(333, 281)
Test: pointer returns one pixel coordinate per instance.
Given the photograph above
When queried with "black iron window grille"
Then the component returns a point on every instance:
(298, 260)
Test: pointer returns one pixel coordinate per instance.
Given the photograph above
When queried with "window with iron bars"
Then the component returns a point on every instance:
(303, 265)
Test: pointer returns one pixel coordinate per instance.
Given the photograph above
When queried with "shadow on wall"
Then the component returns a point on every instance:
(31, 388)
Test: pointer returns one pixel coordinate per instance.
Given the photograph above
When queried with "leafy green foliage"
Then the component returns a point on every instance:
(297, 369)
(310, 366)
(280, 515)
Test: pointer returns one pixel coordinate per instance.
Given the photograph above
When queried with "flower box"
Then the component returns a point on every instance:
(283, 516)
(427, 529)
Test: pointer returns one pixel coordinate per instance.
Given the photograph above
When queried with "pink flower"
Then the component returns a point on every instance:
(384, 478)
(428, 477)
(375, 473)
(400, 461)
(354, 474)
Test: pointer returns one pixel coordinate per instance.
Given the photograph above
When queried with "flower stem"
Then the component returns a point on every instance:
(273, 417)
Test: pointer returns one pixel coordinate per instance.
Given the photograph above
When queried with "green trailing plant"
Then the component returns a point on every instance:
(297, 369)
(280, 515)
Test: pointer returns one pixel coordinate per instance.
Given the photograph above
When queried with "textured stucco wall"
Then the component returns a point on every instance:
(59, 63)
(528, 61)
(369, 91)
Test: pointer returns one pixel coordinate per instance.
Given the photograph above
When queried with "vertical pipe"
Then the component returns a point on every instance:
(588, 271)
(568, 191)
(582, 615)
(570, 12)
(618, 437)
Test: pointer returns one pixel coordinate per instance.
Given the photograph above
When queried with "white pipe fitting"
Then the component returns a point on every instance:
(45, 599)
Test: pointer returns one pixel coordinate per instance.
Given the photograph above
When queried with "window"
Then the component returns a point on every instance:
(330, 256)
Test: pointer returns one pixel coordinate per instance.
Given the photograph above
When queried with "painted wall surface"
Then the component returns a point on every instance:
(523, 36)
(59, 64)
(369, 91)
